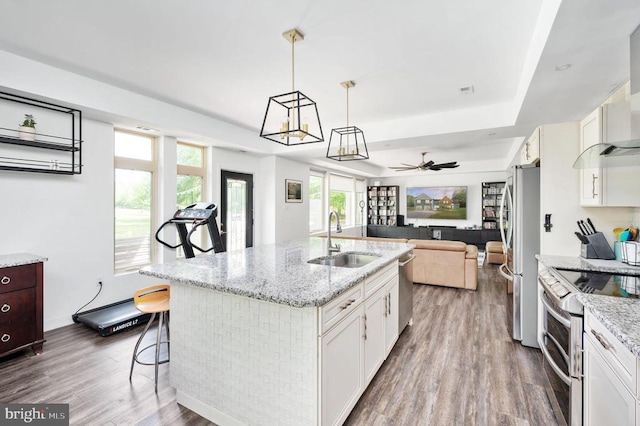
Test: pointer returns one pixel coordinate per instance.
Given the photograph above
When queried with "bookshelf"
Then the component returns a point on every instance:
(383, 205)
(491, 196)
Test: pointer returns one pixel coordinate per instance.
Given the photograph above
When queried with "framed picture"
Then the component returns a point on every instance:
(293, 191)
(441, 202)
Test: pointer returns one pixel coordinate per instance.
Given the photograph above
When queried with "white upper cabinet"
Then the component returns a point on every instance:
(591, 179)
(609, 186)
(530, 152)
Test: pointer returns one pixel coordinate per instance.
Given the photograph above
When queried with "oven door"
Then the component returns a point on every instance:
(562, 361)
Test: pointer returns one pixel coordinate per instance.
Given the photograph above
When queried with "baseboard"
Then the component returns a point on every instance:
(206, 411)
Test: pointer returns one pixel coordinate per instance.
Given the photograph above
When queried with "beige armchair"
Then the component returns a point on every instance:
(445, 263)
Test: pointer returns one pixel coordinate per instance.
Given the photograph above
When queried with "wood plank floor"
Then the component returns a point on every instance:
(456, 365)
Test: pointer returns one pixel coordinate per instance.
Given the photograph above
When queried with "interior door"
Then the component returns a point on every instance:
(236, 212)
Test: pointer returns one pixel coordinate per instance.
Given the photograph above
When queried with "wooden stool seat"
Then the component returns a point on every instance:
(152, 300)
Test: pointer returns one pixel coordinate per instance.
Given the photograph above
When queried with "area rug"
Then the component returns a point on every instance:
(481, 257)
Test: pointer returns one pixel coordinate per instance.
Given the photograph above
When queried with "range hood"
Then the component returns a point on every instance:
(625, 152)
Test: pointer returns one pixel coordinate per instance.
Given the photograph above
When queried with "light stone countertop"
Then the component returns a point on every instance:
(280, 273)
(18, 259)
(620, 316)
(577, 263)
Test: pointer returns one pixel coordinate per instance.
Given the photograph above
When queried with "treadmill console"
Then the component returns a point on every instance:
(196, 211)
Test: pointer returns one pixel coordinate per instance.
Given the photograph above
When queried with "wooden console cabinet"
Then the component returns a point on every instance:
(21, 302)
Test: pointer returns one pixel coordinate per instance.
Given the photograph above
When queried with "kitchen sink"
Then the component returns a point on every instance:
(346, 260)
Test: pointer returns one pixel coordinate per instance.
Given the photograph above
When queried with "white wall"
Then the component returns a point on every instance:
(559, 192)
(283, 221)
(473, 182)
(68, 219)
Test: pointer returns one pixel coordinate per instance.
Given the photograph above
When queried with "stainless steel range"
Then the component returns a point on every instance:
(560, 326)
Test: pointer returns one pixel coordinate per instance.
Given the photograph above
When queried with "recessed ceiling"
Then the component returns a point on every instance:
(409, 60)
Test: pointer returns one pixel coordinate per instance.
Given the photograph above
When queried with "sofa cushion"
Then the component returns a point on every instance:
(386, 240)
(472, 252)
(439, 245)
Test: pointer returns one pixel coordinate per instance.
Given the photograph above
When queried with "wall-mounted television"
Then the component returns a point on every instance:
(437, 202)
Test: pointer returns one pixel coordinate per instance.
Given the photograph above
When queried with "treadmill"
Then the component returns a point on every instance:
(123, 315)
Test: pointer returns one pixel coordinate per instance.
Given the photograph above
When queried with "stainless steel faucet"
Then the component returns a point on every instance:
(330, 247)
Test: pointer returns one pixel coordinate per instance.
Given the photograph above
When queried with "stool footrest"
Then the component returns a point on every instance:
(136, 357)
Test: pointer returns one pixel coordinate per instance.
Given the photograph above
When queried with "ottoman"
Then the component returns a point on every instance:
(494, 252)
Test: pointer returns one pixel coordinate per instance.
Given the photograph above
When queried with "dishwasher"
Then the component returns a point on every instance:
(405, 291)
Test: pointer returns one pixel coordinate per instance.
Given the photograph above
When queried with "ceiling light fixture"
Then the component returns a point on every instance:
(562, 67)
(292, 118)
(349, 141)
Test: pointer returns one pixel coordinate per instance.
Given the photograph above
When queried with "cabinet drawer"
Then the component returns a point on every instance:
(18, 307)
(17, 277)
(377, 280)
(16, 335)
(619, 358)
(340, 307)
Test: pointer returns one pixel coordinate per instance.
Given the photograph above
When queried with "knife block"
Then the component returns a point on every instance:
(587, 251)
(598, 248)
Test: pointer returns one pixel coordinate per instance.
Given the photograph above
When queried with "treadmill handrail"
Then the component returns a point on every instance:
(195, 226)
(162, 242)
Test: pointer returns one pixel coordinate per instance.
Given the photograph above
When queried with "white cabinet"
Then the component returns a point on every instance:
(342, 352)
(591, 179)
(609, 186)
(606, 400)
(391, 314)
(610, 378)
(355, 337)
(530, 152)
(374, 336)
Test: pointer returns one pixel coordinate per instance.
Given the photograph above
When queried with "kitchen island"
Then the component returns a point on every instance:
(261, 336)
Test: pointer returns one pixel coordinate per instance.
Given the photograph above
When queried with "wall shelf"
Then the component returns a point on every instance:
(491, 196)
(58, 151)
(383, 205)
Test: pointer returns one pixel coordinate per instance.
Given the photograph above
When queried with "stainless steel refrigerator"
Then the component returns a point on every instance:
(520, 230)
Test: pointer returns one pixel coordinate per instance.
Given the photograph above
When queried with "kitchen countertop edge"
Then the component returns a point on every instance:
(620, 316)
(351, 278)
(577, 263)
(19, 259)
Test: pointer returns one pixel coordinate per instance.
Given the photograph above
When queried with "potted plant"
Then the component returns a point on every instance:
(27, 130)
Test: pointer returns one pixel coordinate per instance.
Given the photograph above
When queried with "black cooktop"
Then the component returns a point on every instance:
(603, 283)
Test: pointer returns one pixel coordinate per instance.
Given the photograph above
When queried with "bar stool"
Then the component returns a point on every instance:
(152, 300)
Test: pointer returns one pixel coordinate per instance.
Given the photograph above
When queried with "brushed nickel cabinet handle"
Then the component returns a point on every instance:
(385, 305)
(594, 194)
(365, 326)
(346, 305)
(389, 303)
(5, 280)
(602, 340)
(5, 308)
(5, 338)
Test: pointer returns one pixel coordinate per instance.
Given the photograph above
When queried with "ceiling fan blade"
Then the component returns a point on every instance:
(400, 169)
(448, 166)
(409, 165)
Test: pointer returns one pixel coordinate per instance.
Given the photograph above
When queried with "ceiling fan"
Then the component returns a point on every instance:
(429, 165)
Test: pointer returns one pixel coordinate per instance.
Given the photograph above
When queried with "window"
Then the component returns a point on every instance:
(191, 177)
(191, 174)
(341, 199)
(316, 201)
(134, 197)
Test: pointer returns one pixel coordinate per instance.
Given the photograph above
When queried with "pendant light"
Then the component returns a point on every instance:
(347, 143)
(292, 118)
